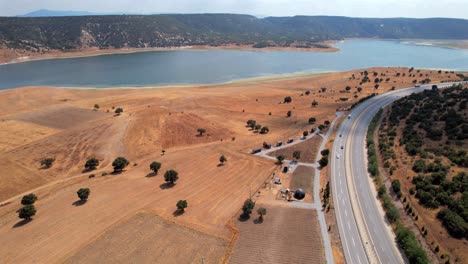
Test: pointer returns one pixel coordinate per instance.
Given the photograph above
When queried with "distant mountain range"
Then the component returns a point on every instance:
(174, 30)
(51, 13)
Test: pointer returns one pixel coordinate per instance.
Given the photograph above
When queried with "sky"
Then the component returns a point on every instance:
(353, 8)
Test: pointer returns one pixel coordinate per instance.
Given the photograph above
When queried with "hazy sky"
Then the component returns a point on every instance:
(355, 8)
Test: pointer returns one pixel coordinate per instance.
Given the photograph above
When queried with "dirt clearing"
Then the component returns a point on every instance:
(303, 177)
(308, 149)
(146, 238)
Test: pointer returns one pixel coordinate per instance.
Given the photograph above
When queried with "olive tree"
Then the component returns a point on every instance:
(171, 176)
(27, 212)
(91, 164)
(83, 194)
(119, 164)
(155, 166)
(29, 199)
(181, 205)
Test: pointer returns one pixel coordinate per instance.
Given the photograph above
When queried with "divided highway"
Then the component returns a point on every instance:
(365, 235)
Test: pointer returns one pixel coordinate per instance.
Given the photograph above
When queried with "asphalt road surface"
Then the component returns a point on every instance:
(365, 235)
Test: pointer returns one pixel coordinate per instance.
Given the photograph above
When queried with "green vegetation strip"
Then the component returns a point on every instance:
(405, 238)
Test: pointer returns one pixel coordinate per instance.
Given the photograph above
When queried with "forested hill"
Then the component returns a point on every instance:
(136, 31)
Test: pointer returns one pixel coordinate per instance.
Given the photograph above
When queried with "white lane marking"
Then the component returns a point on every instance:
(354, 243)
(346, 212)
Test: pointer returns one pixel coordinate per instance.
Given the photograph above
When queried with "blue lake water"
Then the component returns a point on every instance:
(215, 66)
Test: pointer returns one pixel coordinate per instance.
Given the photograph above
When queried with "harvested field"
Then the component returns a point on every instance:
(16, 133)
(287, 235)
(303, 177)
(60, 117)
(308, 149)
(146, 238)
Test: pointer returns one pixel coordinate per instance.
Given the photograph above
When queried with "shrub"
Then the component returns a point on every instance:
(314, 103)
(307, 92)
(155, 166)
(261, 212)
(181, 205)
(297, 154)
(91, 164)
(222, 159)
(325, 152)
(118, 111)
(248, 207)
(47, 162)
(396, 186)
(83, 194)
(323, 161)
(171, 176)
(312, 120)
(29, 199)
(27, 212)
(280, 158)
(201, 131)
(305, 133)
(120, 163)
(288, 99)
(264, 130)
(289, 113)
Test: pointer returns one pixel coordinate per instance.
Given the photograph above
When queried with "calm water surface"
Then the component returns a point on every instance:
(189, 66)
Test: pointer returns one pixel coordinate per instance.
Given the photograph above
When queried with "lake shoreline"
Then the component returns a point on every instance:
(8, 56)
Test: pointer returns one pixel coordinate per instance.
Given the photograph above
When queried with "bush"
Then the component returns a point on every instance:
(312, 120)
(305, 133)
(171, 176)
(297, 154)
(455, 225)
(408, 242)
(287, 99)
(119, 111)
(264, 130)
(323, 162)
(27, 212)
(120, 163)
(289, 113)
(307, 92)
(155, 166)
(83, 194)
(280, 158)
(325, 152)
(47, 162)
(248, 207)
(222, 159)
(201, 131)
(29, 199)
(181, 205)
(396, 186)
(91, 164)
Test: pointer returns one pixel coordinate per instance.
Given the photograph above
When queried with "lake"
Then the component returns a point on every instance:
(216, 66)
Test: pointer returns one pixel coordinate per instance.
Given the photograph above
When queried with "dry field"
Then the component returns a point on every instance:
(286, 235)
(308, 149)
(42, 122)
(134, 242)
(303, 177)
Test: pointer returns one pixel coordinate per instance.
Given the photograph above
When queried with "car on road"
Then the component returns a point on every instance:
(279, 143)
(417, 85)
(290, 140)
(338, 156)
(349, 116)
(266, 145)
(341, 135)
(342, 147)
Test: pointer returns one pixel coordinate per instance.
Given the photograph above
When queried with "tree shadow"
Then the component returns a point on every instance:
(220, 165)
(166, 185)
(243, 218)
(258, 221)
(178, 212)
(151, 174)
(22, 223)
(87, 170)
(79, 202)
(117, 172)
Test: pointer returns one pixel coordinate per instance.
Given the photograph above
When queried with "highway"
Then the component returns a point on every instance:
(365, 235)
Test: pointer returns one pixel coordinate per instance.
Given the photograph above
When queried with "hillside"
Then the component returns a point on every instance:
(39, 34)
(423, 142)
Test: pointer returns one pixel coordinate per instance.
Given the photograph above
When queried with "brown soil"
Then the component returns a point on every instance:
(308, 149)
(59, 123)
(133, 242)
(286, 235)
(303, 177)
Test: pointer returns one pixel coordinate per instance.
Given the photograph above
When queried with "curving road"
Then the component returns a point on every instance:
(365, 235)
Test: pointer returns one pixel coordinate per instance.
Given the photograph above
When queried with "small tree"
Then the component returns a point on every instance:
(171, 176)
(321, 127)
(91, 164)
(307, 92)
(288, 99)
(27, 212)
(251, 123)
(248, 207)
(323, 161)
(96, 107)
(325, 152)
(120, 163)
(280, 158)
(83, 194)
(264, 130)
(47, 162)
(257, 127)
(119, 111)
(261, 212)
(314, 103)
(201, 131)
(305, 133)
(359, 89)
(312, 120)
(222, 159)
(181, 205)
(348, 88)
(29, 199)
(155, 166)
(289, 113)
(297, 154)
